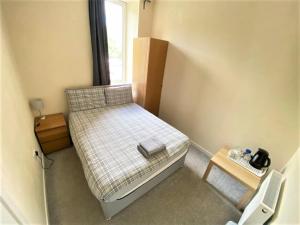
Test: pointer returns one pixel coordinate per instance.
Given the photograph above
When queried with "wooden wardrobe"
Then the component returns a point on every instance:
(149, 59)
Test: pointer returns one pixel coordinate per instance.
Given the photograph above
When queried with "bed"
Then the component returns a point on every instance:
(106, 127)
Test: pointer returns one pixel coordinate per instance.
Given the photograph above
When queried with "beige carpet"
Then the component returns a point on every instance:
(225, 184)
(183, 198)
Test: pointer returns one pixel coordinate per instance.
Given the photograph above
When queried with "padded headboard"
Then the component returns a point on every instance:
(80, 99)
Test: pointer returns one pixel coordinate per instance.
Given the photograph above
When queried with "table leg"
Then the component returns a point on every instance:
(244, 200)
(208, 169)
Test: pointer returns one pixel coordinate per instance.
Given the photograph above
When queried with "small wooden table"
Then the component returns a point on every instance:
(52, 132)
(252, 181)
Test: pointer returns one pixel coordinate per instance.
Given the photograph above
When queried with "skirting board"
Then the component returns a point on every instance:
(200, 148)
(45, 192)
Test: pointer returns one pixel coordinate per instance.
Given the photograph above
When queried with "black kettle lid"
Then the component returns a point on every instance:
(260, 150)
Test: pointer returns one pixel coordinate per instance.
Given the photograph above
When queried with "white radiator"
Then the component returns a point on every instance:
(263, 205)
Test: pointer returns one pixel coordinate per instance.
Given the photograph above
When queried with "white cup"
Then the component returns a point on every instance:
(235, 154)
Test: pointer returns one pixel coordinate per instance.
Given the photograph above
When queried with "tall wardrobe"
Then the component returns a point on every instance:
(149, 59)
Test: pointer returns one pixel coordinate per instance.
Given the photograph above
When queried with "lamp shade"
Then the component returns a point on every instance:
(37, 104)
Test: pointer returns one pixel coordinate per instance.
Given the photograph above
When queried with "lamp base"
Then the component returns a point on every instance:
(42, 117)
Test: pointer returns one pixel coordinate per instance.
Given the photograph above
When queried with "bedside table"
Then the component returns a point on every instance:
(52, 133)
(238, 172)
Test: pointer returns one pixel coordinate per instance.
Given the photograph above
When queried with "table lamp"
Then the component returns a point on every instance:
(37, 104)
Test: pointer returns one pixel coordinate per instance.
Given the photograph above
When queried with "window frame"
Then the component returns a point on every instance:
(123, 4)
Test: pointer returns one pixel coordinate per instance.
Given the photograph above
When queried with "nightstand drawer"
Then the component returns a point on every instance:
(53, 134)
(55, 145)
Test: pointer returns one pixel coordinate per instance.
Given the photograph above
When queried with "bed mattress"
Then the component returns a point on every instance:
(106, 141)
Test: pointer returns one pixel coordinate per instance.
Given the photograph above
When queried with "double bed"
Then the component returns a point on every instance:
(106, 127)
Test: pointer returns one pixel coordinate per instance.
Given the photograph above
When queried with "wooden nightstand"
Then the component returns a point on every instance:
(252, 181)
(52, 133)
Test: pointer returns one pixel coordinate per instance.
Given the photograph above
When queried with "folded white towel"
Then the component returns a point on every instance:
(150, 146)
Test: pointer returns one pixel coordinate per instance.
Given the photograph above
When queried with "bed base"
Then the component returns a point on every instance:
(112, 208)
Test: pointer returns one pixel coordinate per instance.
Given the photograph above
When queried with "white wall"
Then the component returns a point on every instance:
(145, 18)
(52, 47)
(231, 73)
(5, 216)
(299, 72)
(287, 211)
(21, 174)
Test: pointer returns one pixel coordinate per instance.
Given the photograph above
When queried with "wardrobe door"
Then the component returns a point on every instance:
(140, 69)
(156, 67)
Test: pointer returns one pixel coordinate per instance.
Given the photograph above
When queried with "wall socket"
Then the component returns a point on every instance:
(35, 153)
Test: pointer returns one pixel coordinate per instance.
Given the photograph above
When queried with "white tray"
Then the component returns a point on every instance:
(244, 163)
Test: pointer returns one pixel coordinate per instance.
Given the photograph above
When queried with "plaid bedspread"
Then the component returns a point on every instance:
(106, 141)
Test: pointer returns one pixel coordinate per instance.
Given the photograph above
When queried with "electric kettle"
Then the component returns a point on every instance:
(260, 159)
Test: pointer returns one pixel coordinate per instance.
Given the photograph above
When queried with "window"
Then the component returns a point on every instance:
(115, 11)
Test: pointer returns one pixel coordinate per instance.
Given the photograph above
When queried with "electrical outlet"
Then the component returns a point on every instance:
(35, 153)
